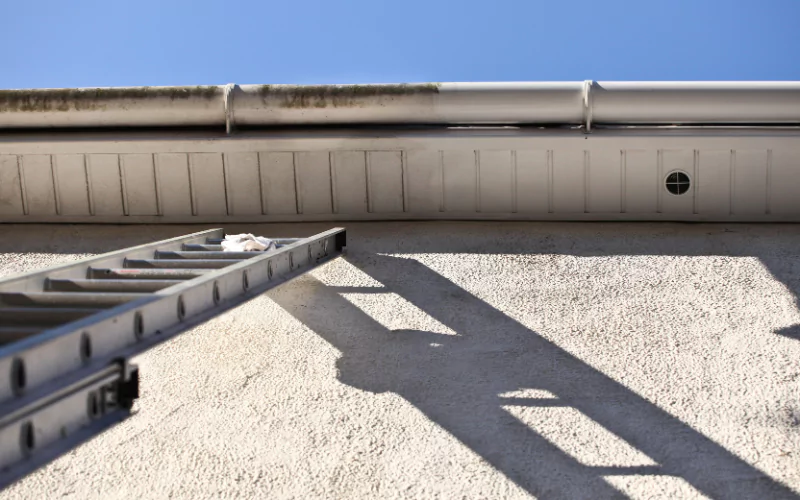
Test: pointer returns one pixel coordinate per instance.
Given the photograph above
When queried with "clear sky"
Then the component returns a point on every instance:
(83, 43)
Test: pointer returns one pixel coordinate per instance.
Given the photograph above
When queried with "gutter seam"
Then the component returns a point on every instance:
(587, 106)
(227, 96)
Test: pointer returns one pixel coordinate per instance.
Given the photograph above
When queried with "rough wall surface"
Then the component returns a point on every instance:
(467, 360)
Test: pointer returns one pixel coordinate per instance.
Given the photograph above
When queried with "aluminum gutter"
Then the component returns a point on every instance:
(583, 104)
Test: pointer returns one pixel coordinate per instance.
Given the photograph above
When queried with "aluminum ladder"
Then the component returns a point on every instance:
(67, 334)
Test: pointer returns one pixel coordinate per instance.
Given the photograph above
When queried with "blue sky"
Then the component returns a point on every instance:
(90, 43)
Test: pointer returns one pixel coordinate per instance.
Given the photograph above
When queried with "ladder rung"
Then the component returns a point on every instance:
(42, 315)
(34, 299)
(278, 241)
(68, 335)
(197, 247)
(179, 263)
(206, 255)
(146, 274)
(108, 285)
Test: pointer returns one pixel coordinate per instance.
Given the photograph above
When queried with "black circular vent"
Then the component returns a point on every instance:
(678, 183)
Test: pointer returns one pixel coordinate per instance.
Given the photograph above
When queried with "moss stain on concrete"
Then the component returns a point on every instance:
(284, 96)
(338, 96)
(62, 100)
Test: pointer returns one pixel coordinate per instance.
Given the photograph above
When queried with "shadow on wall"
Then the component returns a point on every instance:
(458, 382)
(793, 332)
(777, 246)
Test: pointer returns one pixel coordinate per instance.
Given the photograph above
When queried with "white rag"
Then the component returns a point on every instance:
(247, 243)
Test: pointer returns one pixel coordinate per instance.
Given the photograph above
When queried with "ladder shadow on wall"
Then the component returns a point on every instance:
(459, 383)
(774, 245)
(792, 332)
(462, 382)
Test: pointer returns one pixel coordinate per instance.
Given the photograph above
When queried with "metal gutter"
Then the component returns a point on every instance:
(583, 104)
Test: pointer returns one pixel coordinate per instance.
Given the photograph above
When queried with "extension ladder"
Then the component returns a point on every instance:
(67, 333)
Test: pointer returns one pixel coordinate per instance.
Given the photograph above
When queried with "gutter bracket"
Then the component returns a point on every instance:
(587, 106)
(227, 96)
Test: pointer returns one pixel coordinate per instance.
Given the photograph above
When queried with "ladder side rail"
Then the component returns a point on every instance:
(68, 397)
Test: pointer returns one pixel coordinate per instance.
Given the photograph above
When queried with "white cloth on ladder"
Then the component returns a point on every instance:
(247, 243)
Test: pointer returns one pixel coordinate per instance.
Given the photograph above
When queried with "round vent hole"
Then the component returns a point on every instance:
(678, 183)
